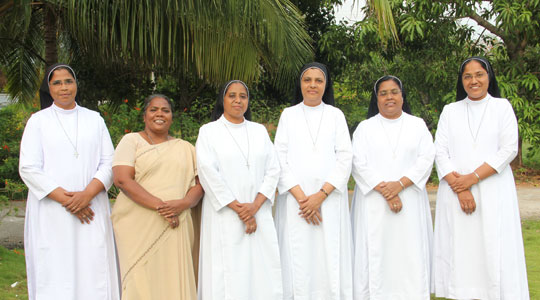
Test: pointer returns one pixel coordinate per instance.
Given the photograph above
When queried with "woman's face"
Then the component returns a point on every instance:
(63, 88)
(475, 80)
(389, 99)
(235, 103)
(158, 116)
(312, 85)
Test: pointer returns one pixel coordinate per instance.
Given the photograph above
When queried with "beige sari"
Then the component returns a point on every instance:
(156, 261)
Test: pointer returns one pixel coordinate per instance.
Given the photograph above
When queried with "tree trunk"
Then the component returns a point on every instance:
(49, 35)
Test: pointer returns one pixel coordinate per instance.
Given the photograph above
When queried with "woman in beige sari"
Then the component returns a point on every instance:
(152, 220)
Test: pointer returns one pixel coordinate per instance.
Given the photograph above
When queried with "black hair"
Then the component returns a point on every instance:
(328, 96)
(374, 108)
(219, 109)
(493, 88)
(149, 99)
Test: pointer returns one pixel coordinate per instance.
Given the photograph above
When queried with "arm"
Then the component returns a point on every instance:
(442, 152)
(339, 176)
(39, 183)
(124, 179)
(419, 172)
(173, 208)
(102, 178)
(366, 177)
(287, 179)
(208, 168)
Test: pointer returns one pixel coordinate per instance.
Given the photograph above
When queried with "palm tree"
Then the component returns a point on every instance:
(213, 40)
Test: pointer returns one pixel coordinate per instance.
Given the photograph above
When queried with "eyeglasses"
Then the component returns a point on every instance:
(387, 92)
(477, 76)
(59, 82)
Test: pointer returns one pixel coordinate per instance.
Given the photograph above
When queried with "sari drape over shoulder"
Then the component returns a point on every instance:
(156, 261)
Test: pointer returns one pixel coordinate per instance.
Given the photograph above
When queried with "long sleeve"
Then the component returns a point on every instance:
(420, 171)
(104, 170)
(271, 173)
(508, 140)
(31, 161)
(287, 180)
(339, 176)
(442, 154)
(365, 176)
(209, 176)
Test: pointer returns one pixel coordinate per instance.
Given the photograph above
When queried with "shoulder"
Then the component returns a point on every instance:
(414, 120)
(501, 102)
(256, 126)
(130, 138)
(291, 110)
(90, 114)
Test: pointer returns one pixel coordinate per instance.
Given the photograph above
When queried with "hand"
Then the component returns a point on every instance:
(316, 219)
(77, 201)
(391, 189)
(172, 208)
(173, 222)
(247, 211)
(251, 226)
(462, 182)
(380, 187)
(395, 204)
(311, 205)
(85, 215)
(466, 200)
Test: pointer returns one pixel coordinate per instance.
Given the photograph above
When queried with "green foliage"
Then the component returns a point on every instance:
(122, 119)
(12, 269)
(12, 121)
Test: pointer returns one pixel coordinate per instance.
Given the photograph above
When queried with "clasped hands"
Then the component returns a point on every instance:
(390, 190)
(78, 203)
(171, 209)
(461, 185)
(310, 207)
(246, 212)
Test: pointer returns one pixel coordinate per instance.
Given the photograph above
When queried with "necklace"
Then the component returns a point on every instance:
(475, 136)
(313, 141)
(394, 149)
(152, 141)
(74, 145)
(246, 157)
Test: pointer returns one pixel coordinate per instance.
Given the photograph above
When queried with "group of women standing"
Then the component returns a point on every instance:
(315, 248)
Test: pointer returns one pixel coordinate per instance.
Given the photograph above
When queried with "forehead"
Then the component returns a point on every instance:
(473, 66)
(159, 102)
(313, 73)
(236, 87)
(60, 74)
(388, 85)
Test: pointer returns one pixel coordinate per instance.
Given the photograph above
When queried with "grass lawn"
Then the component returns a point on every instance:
(12, 267)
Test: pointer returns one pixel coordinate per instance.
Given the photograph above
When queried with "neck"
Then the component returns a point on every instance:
(156, 137)
(312, 103)
(235, 120)
(65, 106)
(392, 117)
(479, 98)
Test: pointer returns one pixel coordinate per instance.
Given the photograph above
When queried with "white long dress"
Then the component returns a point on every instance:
(392, 252)
(64, 258)
(480, 255)
(316, 260)
(234, 265)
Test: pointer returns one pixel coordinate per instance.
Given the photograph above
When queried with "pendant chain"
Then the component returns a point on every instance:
(394, 149)
(76, 154)
(475, 136)
(246, 158)
(313, 141)
(152, 141)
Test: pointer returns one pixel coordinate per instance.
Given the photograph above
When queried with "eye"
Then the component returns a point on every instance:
(383, 93)
(395, 91)
(467, 77)
(68, 81)
(319, 80)
(56, 82)
(306, 79)
(480, 75)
